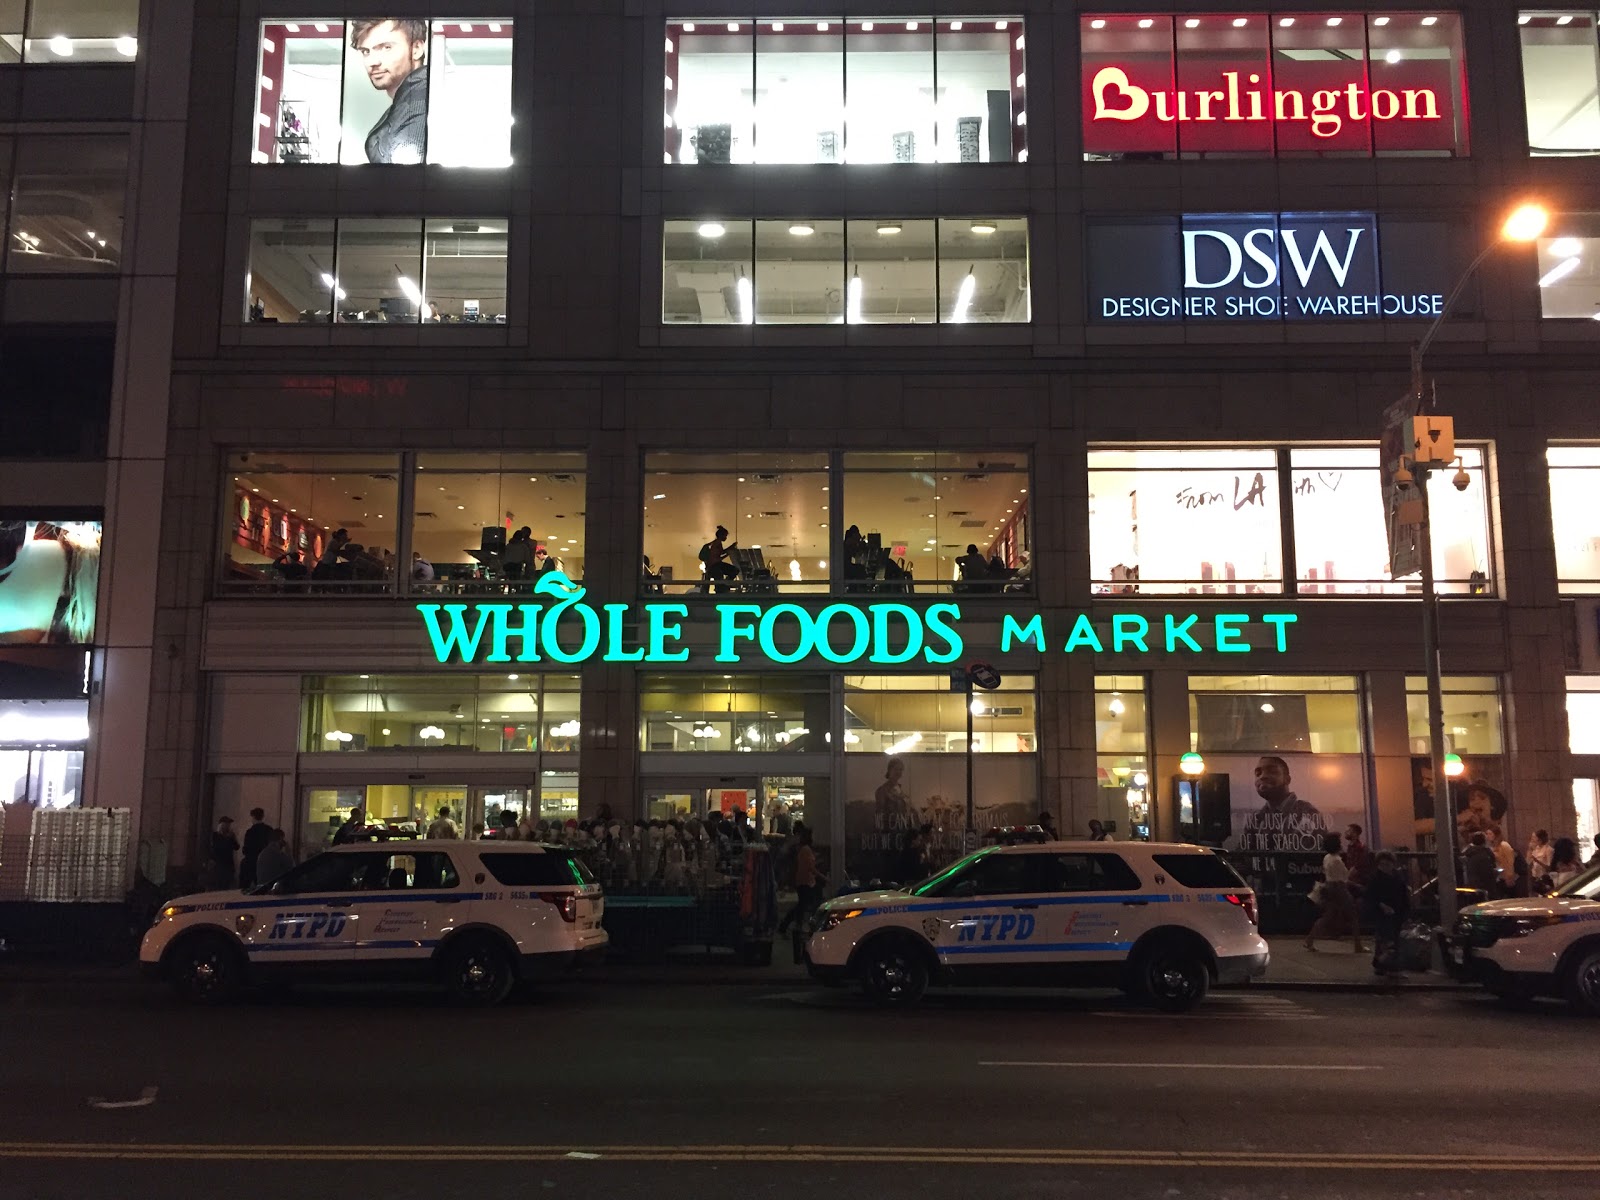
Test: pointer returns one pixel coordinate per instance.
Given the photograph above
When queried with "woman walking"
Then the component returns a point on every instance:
(1339, 917)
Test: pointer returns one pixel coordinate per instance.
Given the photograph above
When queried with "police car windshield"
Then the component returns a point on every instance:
(934, 884)
(1584, 887)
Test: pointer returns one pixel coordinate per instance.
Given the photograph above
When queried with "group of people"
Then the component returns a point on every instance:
(341, 561)
(1359, 885)
(260, 860)
(1490, 865)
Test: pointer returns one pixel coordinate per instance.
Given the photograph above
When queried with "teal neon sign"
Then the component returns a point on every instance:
(560, 628)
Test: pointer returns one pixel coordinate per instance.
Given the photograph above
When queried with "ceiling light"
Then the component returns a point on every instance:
(1097, 23)
(1117, 707)
(1566, 20)
(955, 26)
(969, 286)
(659, 496)
(61, 47)
(889, 229)
(322, 27)
(688, 26)
(1192, 23)
(1524, 18)
(1567, 247)
(1268, 708)
(1240, 22)
(1145, 23)
(1558, 272)
(801, 229)
(1393, 56)
(128, 47)
(1380, 20)
(733, 27)
(984, 228)
(911, 26)
(777, 27)
(822, 27)
(1335, 20)
(1285, 22)
(410, 290)
(711, 229)
(292, 27)
(1000, 25)
(1435, 20)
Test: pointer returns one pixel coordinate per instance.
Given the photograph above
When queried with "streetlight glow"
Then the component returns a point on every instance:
(1526, 222)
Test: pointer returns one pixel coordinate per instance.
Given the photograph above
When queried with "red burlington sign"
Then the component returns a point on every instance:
(1211, 103)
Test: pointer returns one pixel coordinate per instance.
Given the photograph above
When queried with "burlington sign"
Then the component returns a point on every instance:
(1262, 267)
(559, 627)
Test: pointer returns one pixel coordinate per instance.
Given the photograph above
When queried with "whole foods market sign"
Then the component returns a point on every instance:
(1264, 267)
(561, 627)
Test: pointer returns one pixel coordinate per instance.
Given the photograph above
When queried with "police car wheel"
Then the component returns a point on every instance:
(478, 972)
(1173, 979)
(1583, 981)
(893, 974)
(206, 969)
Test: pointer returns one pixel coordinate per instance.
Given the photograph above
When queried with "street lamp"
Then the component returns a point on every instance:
(1524, 224)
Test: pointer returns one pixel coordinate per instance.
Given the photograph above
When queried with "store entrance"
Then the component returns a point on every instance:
(408, 809)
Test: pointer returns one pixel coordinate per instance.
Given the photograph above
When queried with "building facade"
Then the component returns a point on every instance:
(91, 156)
(636, 409)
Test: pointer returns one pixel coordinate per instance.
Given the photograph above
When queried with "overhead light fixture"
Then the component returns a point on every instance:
(128, 47)
(409, 289)
(1565, 20)
(889, 229)
(904, 744)
(1146, 23)
(61, 47)
(969, 287)
(332, 284)
(711, 229)
(1435, 20)
(984, 228)
(866, 27)
(733, 27)
(1192, 764)
(1393, 56)
(1335, 20)
(977, 707)
(911, 26)
(1560, 271)
(802, 229)
(1453, 766)
(1192, 23)
(292, 27)
(1524, 18)
(1267, 707)
(1097, 23)
(430, 733)
(1380, 20)
(1117, 707)
(321, 27)
(1240, 22)
(777, 27)
(955, 26)
(1285, 22)
(853, 299)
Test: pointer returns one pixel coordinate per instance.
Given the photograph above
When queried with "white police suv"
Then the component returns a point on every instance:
(1543, 945)
(1162, 922)
(475, 916)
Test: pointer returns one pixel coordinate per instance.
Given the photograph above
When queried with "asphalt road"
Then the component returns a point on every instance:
(608, 1091)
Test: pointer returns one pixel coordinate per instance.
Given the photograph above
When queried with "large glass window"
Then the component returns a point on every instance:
(1574, 477)
(1122, 766)
(1210, 522)
(919, 714)
(377, 271)
(866, 90)
(780, 713)
(1472, 732)
(68, 31)
(319, 522)
(12, 21)
(384, 90)
(1228, 85)
(773, 509)
(1194, 520)
(1561, 81)
(1569, 267)
(498, 713)
(1471, 709)
(1583, 714)
(803, 271)
(482, 519)
(66, 204)
(1340, 538)
(1283, 755)
(936, 522)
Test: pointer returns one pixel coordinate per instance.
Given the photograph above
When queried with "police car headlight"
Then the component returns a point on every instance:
(166, 914)
(835, 918)
(1523, 926)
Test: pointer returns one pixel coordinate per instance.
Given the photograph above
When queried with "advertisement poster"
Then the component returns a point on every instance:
(49, 574)
(1288, 802)
(1479, 793)
(889, 802)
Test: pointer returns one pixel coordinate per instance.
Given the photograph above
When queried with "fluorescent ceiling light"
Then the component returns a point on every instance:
(1192, 23)
(853, 300)
(1335, 20)
(1145, 23)
(889, 229)
(969, 287)
(1393, 56)
(984, 228)
(1566, 20)
(1567, 247)
(128, 47)
(1558, 272)
(802, 229)
(1097, 23)
(61, 47)
(711, 229)
(1380, 20)
(1285, 22)
(410, 290)
(1430, 20)
(1240, 22)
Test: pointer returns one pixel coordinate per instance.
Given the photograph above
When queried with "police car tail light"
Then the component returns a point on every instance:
(1246, 901)
(566, 903)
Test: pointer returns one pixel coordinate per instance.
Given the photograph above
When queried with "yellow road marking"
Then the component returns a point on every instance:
(941, 1155)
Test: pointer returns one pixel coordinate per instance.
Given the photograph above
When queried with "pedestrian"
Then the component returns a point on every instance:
(1098, 833)
(1357, 858)
(224, 845)
(1048, 824)
(1540, 855)
(255, 840)
(275, 861)
(1387, 901)
(1505, 857)
(807, 886)
(1564, 864)
(1338, 917)
(1479, 868)
(443, 827)
(354, 827)
(508, 825)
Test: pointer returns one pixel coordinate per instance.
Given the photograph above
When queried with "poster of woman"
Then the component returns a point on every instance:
(49, 574)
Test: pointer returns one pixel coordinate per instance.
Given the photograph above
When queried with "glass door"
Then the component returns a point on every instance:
(669, 799)
(487, 805)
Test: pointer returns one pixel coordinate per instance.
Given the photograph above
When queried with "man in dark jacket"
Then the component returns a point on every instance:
(1479, 868)
(1387, 901)
(255, 841)
(395, 52)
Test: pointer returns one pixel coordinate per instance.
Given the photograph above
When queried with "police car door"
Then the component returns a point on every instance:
(978, 922)
(1091, 907)
(407, 901)
(308, 918)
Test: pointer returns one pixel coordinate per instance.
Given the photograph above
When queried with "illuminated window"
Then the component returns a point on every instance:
(490, 713)
(66, 205)
(1561, 81)
(835, 91)
(1574, 475)
(71, 31)
(394, 91)
(1569, 267)
(1122, 765)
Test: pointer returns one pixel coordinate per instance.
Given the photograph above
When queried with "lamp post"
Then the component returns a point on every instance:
(1524, 224)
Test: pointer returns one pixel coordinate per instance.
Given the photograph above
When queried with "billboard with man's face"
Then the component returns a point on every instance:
(393, 91)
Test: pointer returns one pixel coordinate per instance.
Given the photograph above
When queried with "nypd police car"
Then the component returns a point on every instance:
(476, 916)
(1542, 945)
(1162, 922)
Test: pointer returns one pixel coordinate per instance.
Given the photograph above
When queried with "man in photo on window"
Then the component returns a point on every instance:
(1284, 821)
(395, 54)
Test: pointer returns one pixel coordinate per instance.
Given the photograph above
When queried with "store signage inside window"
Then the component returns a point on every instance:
(571, 631)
